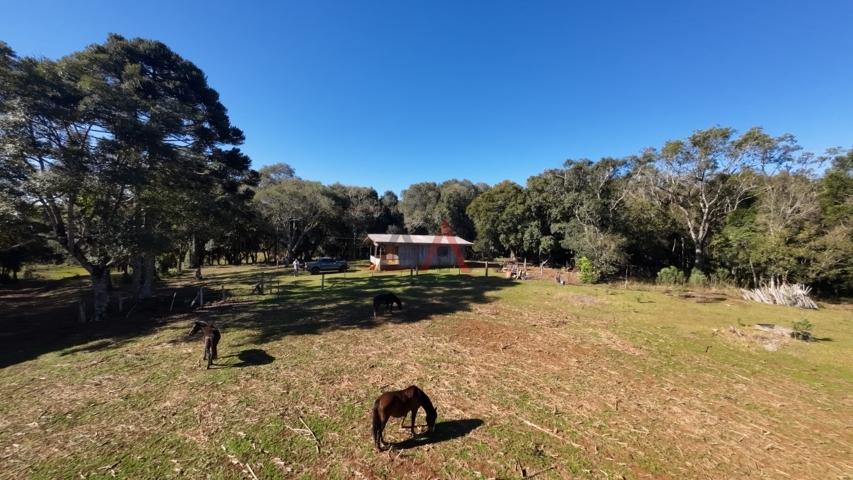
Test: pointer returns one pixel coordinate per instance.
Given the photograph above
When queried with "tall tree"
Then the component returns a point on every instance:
(390, 218)
(454, 198)
(499, 215)
(298, 209)
(418, 207)
(707, 176)
(98, 138)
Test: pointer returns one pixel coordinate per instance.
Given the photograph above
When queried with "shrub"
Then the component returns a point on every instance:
(802, 329)
(697, 278)
(802, 326)
(587, 273)
(720, 278)
(670, 276)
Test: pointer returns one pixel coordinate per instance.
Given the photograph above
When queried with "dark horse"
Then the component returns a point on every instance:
(211, 339)
(398, 404)
(387, 299)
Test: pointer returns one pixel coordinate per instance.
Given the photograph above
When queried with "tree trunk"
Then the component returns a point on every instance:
(136, 277)
(100, 283)
(197, 253)
(146, 288)
(699, 257)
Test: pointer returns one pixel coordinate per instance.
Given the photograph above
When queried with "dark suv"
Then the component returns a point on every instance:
(326, 264)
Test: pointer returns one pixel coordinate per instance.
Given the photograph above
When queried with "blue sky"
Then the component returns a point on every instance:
(391, 93)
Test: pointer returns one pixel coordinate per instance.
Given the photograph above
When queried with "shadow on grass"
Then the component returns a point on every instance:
(347, 303)
(39, 320)
(247, 358)
(444, 431)
(41, 316)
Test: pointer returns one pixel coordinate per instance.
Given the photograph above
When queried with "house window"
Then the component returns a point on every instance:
(443, 251)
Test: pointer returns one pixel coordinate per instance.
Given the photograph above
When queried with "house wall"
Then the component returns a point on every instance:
(418, 255)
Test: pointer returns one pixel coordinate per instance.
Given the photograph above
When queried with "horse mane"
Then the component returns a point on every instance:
(425, 401)
(200, 325)
(197, 325)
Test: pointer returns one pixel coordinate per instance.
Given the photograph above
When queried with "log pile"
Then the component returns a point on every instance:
(792, 295)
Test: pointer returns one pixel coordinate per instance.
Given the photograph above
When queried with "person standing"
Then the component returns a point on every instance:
(295, 266)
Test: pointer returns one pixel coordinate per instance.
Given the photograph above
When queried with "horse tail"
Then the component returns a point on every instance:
(377, 425)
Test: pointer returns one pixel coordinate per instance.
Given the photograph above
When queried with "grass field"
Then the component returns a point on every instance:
(531, 379)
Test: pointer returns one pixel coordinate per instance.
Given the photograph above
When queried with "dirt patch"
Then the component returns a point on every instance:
(578, 299)
(472, 331)
(616, 343)
(768, 340)
(702, 297)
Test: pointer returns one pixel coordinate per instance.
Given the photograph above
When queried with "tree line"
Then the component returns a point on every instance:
(122, 158)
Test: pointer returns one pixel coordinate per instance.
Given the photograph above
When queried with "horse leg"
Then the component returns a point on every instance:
(414, 414)
(382, 432)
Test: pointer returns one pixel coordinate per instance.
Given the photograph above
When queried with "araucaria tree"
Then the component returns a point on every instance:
(104, 140)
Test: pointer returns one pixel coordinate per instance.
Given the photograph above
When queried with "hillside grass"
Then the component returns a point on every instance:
(530, 378)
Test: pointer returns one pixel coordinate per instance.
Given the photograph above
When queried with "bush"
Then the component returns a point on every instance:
(697, 279)
(720, 278)
(587, 273)
(802, 326)
(670, 276)
(802, 330)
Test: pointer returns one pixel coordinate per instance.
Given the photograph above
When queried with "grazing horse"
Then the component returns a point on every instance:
(211, 339)
(387, 299)
(398, 404)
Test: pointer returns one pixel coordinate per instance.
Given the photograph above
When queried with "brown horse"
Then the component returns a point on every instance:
(398, 404)
(211, 340)
(388, 300)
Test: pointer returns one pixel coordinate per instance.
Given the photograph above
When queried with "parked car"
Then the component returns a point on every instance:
(326, 264)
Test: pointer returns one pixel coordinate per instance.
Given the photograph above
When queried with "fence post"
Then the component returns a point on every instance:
(322, 281)
(81, 311)
(172, 305)
(487, 269)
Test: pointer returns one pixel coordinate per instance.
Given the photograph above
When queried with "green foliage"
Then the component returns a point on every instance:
(697, 278)
(720, 278)
(427, 206)
(705, 177)
(499, 216)
(802, 326)
(587, 271)
(670, 276)
(118, 142)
